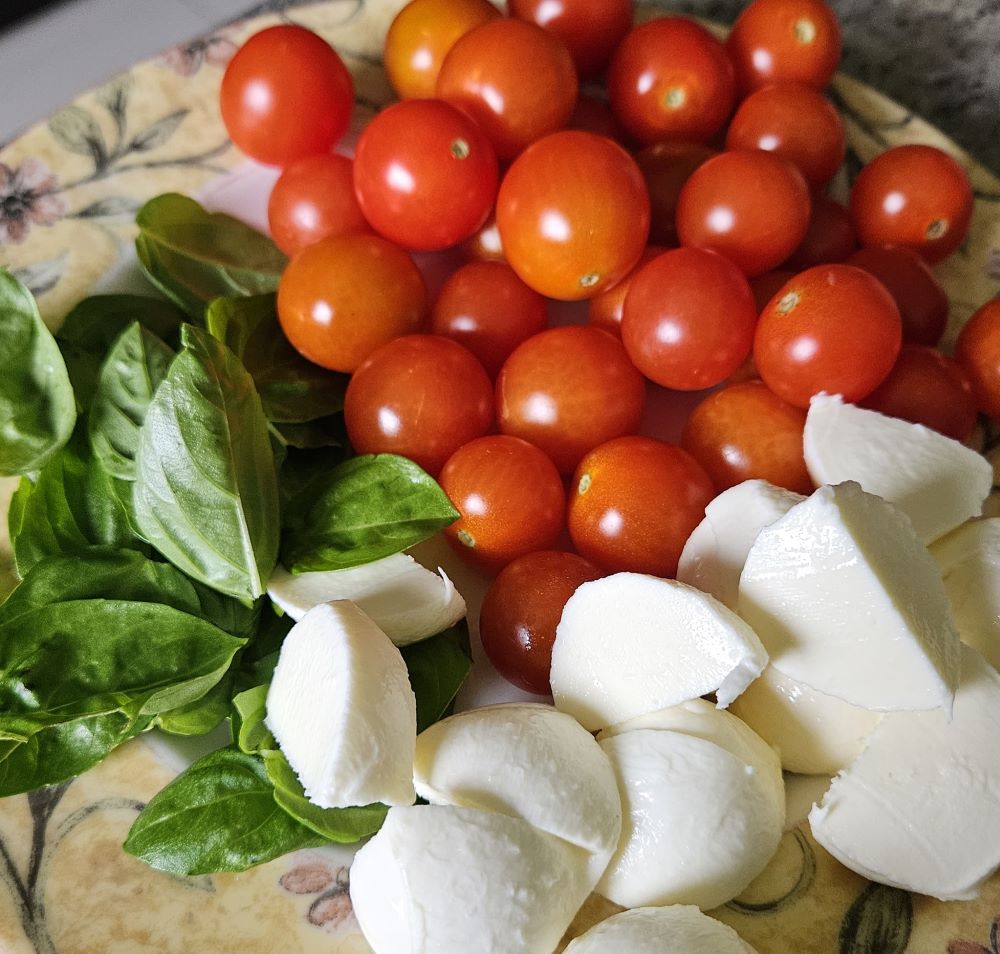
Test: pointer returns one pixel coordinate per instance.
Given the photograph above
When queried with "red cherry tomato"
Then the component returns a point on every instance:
(605, 310)
(830, 237)
(343, 297)
(688, 319)
(424, 174)
(520, 612)
(745, 431)
(573, 214)
(567, 390)
(916, 196)
(279, 76)
(634, 502)
(928, 388)
(485, 245)
(510, 498)
(753, 207)
(671, 79)
(922, 302)
(776, 40)
(766, 286)
(977, 350)
(666, 166)
(594, 115)
(420, 37)
(514, 78)
(487, 308)
(832, 328)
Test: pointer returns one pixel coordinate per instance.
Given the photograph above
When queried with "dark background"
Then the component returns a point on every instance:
(11, 10)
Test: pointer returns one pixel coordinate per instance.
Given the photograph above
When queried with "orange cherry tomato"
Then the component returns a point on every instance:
(977, 350)
(830, 237)
(666, 166)
(605, 310)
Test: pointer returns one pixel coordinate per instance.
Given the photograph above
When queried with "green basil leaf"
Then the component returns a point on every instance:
(293, 390)
(315, 435)
(343, 825)
(270, 633)
(127, 381)
(371, 507)
(303, 475)
(37, 406)
(249, 732)
(202, 715)
(437, 668)
(193, 256)
(219, 815)
(206, 490)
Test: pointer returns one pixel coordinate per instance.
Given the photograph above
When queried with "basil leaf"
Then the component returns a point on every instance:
(270, 633)
(249, 732)
(315, 435)
(206, 490)
(193, 256)
(202, 715)
(129, 377)
(342, 825)
(37, 406)
(293, 390)
(371, 507)
(437, 668)
(303, 475)
(219, 815)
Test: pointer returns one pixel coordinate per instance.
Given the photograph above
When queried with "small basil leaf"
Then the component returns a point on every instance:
(37, 406)
(202, 715)
(437, 668)
(219, 815)
(206, 491)
(249, 732)
(270, 633)
(371, 507)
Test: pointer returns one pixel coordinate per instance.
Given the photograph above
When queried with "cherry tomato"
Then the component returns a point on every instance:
(591, 29)
(830, 237)
(766, 286)
(514, 78)
(666, 166)
(420, 37)
(345, 296)
(832, 328)
(520, 612)
(745, 431)
(671, 79)
(487, 308)
(573, 214)
(485, 245)
(424, 174)
(977, 350)
(567, 390)
(688, 319)
(634, 502)
(605, 310)
(594, 115)
(421, 396)
(922, 302)
(917, 196)
(279, 76)
(928, 388)
(775, 40)
(753, 207)
(796, 122)
(510, 498)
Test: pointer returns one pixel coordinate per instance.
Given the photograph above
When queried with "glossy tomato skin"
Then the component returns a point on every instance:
(830, 237)
(688, 319)
(520, 612)
(666, 166)
(275, 79)
(766, 286)
(633, 503)
(343, 297)
(485, 244)
(515, 79)
(744, 431)
(510, 497)
(915, 196)
(753, 207)
(977, 350)
(567, 390)
(671, 79)
(605, 310)
(419, 39)
(424, 174)
(785, 40)
(573, 215)
(832, 328)
(421, 396)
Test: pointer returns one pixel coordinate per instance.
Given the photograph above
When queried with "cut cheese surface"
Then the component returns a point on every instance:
(714, 554)
(842, 594)
(629, 644)
(920, 807)
(342, 710)
(936, 481)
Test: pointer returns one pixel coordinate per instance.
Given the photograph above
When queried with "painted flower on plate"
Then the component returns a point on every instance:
(27, 197)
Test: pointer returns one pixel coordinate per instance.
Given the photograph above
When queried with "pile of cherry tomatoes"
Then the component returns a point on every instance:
(681, 194)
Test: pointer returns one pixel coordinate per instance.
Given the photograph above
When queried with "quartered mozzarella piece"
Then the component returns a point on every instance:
(407, 601)
(920, 807)
(936, 481)
(629, 644)
(342, 710)
(676, 928)
(848, 602)
(714, 554)
(438, 879)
